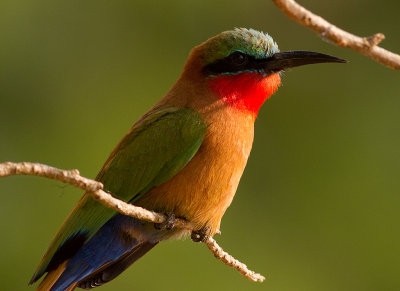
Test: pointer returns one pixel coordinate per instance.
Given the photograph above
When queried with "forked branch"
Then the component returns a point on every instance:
(95, 189)
(367, 46)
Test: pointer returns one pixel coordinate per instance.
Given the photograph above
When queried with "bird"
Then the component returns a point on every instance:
(184, 158)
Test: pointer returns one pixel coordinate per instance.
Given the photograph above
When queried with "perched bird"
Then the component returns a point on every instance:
(184, 157)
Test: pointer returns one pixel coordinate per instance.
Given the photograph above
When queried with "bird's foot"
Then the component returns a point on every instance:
(199, 235)
(168, 224)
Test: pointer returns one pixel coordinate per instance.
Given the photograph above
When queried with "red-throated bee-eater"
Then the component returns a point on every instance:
(184, 157)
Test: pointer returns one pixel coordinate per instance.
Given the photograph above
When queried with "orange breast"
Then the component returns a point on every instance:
(204, 189)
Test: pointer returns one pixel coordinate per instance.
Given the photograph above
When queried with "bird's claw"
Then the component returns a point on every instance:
(168, 224)
(199, 235)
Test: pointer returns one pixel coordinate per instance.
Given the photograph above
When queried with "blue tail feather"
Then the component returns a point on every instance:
(109, 252)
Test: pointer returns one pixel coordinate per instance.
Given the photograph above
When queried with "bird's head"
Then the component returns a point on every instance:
(242, 66)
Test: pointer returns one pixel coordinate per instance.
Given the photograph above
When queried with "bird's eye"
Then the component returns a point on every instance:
(237, 58)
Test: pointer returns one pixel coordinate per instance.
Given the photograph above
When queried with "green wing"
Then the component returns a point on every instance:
(157, 147)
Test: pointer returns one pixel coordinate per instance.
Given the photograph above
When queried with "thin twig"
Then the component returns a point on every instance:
(95, 189)
(228, 260)
(71, 177)
(367, 46)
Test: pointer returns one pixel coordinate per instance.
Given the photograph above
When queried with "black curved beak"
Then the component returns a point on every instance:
(284, 60)
(270, 65)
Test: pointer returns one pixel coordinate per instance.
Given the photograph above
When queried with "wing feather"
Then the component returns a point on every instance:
(156, 148)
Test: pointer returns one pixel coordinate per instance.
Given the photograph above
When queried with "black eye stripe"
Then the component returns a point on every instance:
(234, 63)
(237, 59)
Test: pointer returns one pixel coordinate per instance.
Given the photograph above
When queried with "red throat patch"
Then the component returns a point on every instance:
(245, 91)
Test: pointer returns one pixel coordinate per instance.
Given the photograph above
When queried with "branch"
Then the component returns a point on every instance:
(367, 46)
(95, 189)
(228, 260)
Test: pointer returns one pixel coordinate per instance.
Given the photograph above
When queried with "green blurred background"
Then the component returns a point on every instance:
(317, 208)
